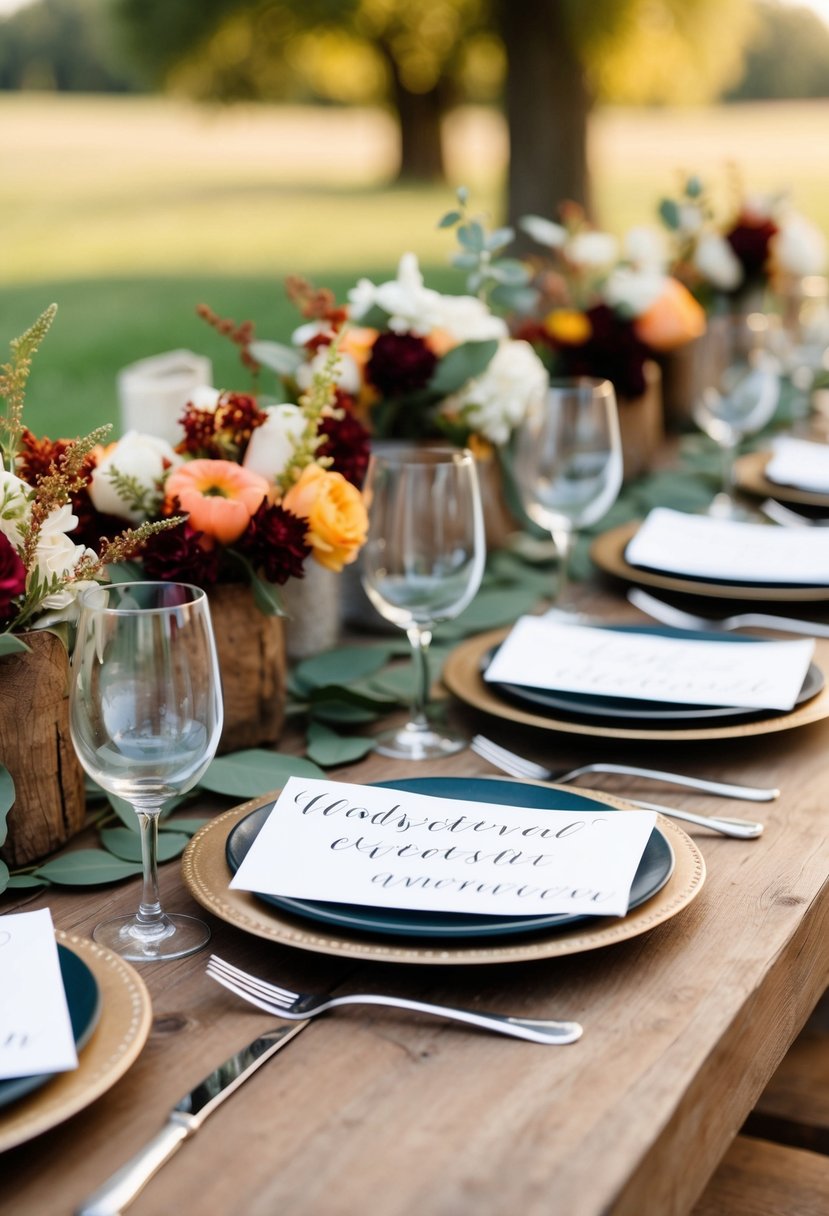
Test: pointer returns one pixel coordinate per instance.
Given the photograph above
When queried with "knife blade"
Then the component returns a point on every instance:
(184, 1120)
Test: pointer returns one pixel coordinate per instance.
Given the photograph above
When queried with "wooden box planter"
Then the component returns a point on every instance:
(251, 649)
(36, 748)
(642, 425)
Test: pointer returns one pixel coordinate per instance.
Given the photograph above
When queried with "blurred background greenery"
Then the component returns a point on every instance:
(159, 153)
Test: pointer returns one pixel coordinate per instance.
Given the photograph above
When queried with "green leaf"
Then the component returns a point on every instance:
(450, 219)
(510, 272)
(669, 213)
(329, 749)
(462, 195)
(338, 713)
(124, 811)
(495, 607)
(693, 187)
(125, 572)
(248, 774)
(266, 596)
(343, 665)
(86, 867)
(10, 643)
(460, 365)
(6, 799)
(368, 699)
(20, 882)
(465, 261)
(93, 791)
(188, 826)
(499, 238)
(4, 876)
(471, 236)
(277, 357)
(123, 843)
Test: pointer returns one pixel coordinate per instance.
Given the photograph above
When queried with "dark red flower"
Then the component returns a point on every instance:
(180, 555)
(400, 364)
(347, 442)
(612, 351)
(12, 578)
(750, 239)
(223, 433)
(274, 543)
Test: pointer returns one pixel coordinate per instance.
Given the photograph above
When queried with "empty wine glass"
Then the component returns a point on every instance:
(740, 380)
(422, 563)
(568, 467)
(146, 714)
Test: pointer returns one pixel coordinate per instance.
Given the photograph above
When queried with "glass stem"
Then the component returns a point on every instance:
(420, 640)
(149, 915)
(563, 541)
(729, 455)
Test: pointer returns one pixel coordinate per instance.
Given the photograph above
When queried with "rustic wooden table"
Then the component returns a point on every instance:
(375, 1111)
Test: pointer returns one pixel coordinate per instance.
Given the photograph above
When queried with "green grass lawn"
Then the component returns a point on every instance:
(129, 211)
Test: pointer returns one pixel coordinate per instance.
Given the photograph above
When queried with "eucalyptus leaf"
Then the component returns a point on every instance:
(329, 749)
(125, 572)
(123, 843)
(669, 213)
(338, 713)
(21, 882)
(4, 876)
(368, 699)
(10, 643)
(499, 238)
(460, 365)
(284, 360)
(6, 799)
(188, 826)
(93, 791)
(510, 272)
(344, 665)
(125, 812)
(86, 867)
(471, 236)
(465, 261)
(499, 606)
(250, 773)
(450, 219)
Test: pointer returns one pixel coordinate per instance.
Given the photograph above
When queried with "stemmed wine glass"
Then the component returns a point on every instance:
(146, 714)
(568, 466)
(422, 563)
(739, 393)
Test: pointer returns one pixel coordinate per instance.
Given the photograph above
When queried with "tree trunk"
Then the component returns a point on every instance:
(420, 117)
(548, 102)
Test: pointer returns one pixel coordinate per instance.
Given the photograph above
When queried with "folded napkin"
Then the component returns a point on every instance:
(541, 653)
(35, 1028)
(799, 463)
(701, 546)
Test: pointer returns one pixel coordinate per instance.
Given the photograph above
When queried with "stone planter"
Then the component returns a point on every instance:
(36, 748)
(312, 606)
(251, 650)
(642, 426)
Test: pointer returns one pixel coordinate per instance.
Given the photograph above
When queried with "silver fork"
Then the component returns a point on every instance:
(296, 1006)
(668, 615)
(788, 518)
(517, 766)
(521, 767)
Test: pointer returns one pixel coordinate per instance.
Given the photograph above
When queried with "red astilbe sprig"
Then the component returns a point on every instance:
(241, 335)
(223, 433)
(315, 303)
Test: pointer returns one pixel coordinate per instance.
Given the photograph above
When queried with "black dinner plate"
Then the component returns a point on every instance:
(84, 1000)
(629, 709)
(655, 867)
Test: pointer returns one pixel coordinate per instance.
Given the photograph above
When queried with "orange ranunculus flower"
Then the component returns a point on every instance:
(568, 326)
(357, 342)
(672, 320)
(336, 515)
(219, 496)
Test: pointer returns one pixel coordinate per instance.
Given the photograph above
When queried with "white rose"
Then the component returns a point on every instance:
(347, 372)
(56, 554)
(633, 291)
(272, 444)
(645, 247)
(205, 397)
(494, 403)
(468, 319)
(592, 250)
(14, 506)
(544, 231)
(799, 247)
(411, 307)
(144, 459)
(717, 262)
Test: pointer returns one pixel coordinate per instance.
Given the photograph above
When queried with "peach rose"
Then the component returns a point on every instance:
(336, 515)
(220, 497)
(672, 320)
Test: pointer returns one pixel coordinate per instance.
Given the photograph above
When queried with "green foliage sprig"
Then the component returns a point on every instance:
(14, 377)
(502, 281)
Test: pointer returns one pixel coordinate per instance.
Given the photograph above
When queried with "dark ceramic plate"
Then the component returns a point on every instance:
(654, 870)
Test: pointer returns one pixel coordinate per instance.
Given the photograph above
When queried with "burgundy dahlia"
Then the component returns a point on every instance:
(223, 433)
(12, 578)
(400, 364)
(178, 555)
(347, 443)
(612, 351)
(750, 241)
(274, 542)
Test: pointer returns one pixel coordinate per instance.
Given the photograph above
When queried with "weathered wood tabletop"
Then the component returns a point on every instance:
(375, 1111)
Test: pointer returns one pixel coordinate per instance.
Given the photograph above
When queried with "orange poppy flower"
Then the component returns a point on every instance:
(220, 497)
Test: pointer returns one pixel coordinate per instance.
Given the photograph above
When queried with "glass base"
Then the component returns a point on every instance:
(414, 743)
(570, 616)
(723, 506)
(173, 937)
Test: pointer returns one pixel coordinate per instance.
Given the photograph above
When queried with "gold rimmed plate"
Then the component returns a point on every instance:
(750, 476)
(207, 876)
(608, 551)
(115, 1043)
(462, 675)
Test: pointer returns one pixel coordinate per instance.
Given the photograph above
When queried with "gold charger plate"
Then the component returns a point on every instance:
(608, 552)
(126, 1015)
(462, 676)
(750, 475)
(206, 875)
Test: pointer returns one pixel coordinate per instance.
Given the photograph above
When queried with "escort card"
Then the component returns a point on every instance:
(541, 653)
(704, 547)
(797, 462)
(35, 1030)
(357, 844)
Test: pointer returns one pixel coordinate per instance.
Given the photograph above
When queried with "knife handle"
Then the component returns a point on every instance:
(120, 1190)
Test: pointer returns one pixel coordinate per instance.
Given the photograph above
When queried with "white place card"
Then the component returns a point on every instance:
(799, 463)
(704, 547)
(356, 844)
(35, 1030)
(541, 653)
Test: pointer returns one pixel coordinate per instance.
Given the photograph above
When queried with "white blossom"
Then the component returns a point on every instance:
(272, 444)
(15, 505)
(717, 262)
(592, 250)
(544, 231)
(142, 458)
(799, 247)
(633, 291)
(495, 402)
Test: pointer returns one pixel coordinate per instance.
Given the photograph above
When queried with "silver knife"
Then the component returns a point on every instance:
(184, 1120)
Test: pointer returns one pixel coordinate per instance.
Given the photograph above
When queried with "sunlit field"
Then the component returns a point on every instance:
(129, 211)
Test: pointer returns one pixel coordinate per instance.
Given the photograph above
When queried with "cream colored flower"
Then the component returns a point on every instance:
(717, 262)
(592, 250)
(15, 500)
(273, 443)
(144, 459)
(799, 247)
(495, 402)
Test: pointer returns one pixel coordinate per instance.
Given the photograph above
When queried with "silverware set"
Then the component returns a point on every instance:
(667, 614)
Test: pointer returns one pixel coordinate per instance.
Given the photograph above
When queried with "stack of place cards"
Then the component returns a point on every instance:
(541, 653)
(701, 546)
(377, 847)
(35, 1030)
(799, 463)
